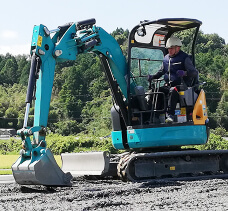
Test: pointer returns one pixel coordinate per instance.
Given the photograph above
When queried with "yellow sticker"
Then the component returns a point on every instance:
(183, 111)
(39, 41)
(132, 41)
(172, 168)
(181, 93)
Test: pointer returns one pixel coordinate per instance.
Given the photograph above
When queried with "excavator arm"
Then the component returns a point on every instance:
(47, 48)
(67, 42)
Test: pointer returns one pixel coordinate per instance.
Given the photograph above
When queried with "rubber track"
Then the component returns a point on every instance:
(218, 163)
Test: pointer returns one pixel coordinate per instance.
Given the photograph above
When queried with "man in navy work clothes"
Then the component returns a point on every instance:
(177, 66)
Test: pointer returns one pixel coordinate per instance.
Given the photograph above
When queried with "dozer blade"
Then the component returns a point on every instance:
(44, 171)
(86, 163)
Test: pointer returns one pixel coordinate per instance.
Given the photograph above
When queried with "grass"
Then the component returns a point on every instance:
(5, 172)
(6, 161)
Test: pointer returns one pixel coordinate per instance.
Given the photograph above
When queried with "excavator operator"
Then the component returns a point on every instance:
(177, 68)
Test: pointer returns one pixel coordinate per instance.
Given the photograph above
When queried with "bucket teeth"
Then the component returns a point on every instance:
(44, 171)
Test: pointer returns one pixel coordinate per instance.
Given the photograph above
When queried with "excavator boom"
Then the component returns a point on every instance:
(36, 164)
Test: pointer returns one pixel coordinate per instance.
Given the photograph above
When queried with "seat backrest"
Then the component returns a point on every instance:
(140, 93)
(188, 97)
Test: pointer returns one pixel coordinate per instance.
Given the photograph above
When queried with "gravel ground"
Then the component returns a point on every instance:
(116, 195)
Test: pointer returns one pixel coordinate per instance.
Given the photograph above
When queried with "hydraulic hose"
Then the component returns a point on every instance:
(34, 69)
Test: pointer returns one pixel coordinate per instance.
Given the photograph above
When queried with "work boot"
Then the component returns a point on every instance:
(169, 119)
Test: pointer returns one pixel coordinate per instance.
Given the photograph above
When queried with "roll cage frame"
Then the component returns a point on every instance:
(164, 28)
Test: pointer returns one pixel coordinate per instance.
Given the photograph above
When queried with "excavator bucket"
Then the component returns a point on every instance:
(86, 163)
(44, 171)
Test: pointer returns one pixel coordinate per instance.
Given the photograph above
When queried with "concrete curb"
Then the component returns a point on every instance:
(6, 179)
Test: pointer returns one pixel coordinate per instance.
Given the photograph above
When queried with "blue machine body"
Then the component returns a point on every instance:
(162, 136)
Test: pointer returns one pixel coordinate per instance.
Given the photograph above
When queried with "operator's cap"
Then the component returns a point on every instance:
(173, 41)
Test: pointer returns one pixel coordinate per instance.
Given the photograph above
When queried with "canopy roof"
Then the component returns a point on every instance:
(174, 24)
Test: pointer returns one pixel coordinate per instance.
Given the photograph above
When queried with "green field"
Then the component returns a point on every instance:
(6, 161)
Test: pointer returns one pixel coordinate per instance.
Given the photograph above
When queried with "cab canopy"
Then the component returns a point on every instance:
(155, 33)
(147, 43)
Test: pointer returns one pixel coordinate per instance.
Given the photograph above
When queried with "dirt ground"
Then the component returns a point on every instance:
(117, 195)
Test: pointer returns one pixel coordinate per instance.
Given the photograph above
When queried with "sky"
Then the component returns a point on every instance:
(19, 17)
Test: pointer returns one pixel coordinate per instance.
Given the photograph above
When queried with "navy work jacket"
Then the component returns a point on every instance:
(171, 65)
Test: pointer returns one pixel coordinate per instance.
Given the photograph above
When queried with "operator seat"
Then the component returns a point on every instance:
(140, 94)
(190, 95)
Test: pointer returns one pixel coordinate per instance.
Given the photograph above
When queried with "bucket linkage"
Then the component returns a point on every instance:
(37, 165)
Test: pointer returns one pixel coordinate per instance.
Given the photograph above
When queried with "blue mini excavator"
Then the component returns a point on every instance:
(153, 147)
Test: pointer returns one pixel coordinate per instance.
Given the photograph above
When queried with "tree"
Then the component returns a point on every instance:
(224, 81)
(9, 71)
(209, 42)
(12, 104)
(23, 71)
(96, 115)
(72, 93)
(212, 90)
(222, 111)
(121, 37)
(11, 115)
(203, 62)
(68, 127)
(75, 90)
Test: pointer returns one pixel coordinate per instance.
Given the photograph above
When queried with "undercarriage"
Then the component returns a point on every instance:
(175, 164)
(146, 166)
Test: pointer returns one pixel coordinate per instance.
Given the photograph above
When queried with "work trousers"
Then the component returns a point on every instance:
(171, 99)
